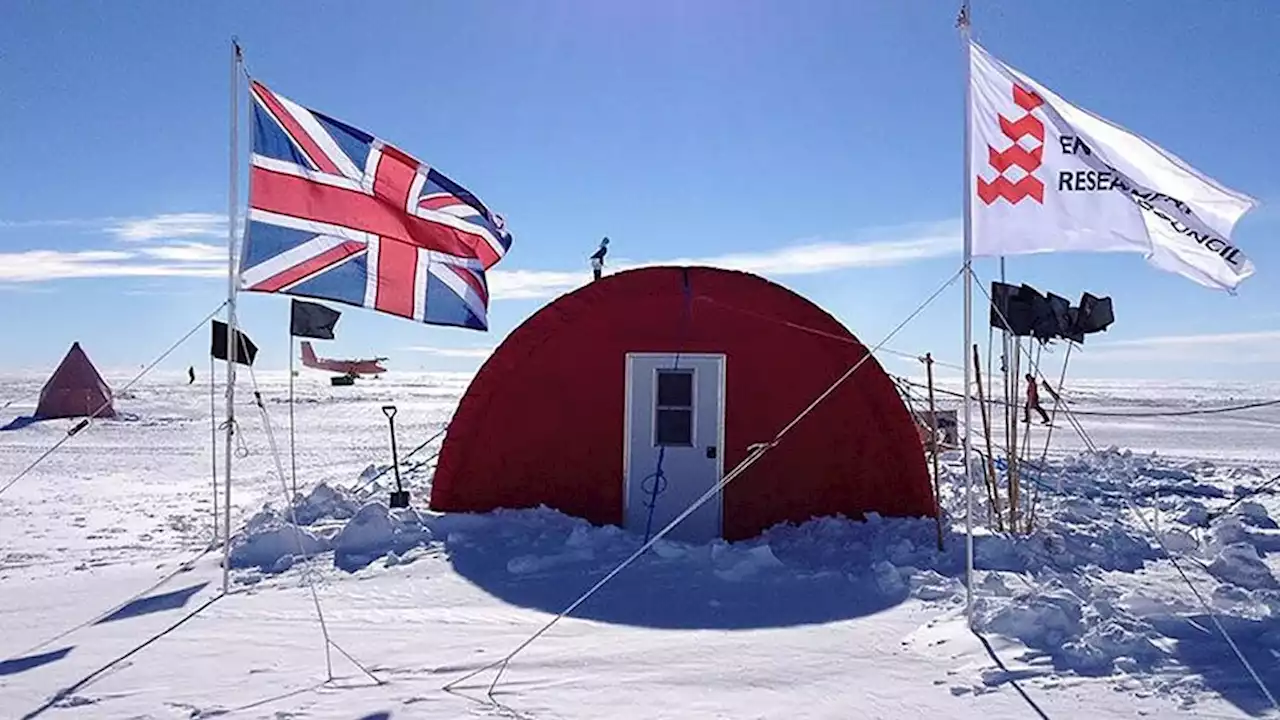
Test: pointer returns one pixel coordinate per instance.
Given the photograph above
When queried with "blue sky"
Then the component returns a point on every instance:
(817, 143)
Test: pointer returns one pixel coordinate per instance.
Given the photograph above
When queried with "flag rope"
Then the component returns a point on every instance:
(755, 453)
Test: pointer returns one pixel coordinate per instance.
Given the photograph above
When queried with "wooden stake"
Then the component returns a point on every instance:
(993, 497)
(933, 434)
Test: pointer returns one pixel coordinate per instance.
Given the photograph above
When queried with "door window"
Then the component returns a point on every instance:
(673, 412)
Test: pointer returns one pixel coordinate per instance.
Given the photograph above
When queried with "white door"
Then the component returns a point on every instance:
(674, 419)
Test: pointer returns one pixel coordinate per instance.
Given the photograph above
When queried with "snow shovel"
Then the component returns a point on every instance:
(400, 497)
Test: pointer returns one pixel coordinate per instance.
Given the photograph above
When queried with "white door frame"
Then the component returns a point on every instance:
(721, 362)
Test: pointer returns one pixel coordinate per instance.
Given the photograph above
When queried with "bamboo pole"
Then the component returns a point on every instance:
(1008, 374)
(1012, 473)
(933, 435)
(1057, 401)
(993, 496)
(1053, 418)
(1026, 437)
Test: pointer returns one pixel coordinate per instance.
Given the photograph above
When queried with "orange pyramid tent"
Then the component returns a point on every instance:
(75, 390)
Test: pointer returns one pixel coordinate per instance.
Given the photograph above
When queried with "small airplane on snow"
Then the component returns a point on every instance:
(348, 368)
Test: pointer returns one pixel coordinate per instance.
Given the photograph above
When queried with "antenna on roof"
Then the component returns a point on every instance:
(597, 258)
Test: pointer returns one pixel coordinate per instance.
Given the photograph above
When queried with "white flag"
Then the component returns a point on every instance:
(1049, 176)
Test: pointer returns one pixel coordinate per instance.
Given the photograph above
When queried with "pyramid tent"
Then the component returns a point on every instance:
(75, 390)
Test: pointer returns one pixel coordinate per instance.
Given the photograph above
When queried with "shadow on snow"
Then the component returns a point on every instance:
(31, 662)
(821, 572)
(155, 603)
(19, 422)
(1201, 648)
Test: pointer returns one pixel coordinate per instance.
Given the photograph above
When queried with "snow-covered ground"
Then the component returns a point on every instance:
(103, 547)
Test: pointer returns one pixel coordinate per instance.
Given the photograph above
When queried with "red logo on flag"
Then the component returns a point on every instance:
(1027, 160)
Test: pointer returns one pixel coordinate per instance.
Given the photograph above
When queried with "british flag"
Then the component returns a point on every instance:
(337, 214)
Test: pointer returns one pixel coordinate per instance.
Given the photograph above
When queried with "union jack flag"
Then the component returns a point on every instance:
(337, 214)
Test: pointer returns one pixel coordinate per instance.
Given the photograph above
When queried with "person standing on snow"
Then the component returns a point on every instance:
(1033, 402)
(191, 374)
(597, 259)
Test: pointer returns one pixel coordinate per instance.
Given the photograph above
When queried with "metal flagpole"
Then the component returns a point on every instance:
(293, 455)
(963, 22)
(232, 198)
(213, 440)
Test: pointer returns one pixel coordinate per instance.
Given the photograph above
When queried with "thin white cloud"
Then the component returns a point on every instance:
(157, 292)
(451, 352)
(143, 256)
(532, 284)
(929, 241)
(1233, 348)
(169, 226)
(41, 265)
(164, 226)
(89, 223)
(829, 257)
(188, 252)
(1195, 340)
(25, 288)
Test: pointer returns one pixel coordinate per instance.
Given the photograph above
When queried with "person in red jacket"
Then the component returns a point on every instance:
(1033, 402)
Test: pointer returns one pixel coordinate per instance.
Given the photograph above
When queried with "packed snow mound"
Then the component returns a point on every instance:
(324, 501)
(1090, 589)
(272, 543)
(1088, 636)
(376, 531)
(328, 519)
(1044, 619)
(1093, 589)
(1239, 564)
